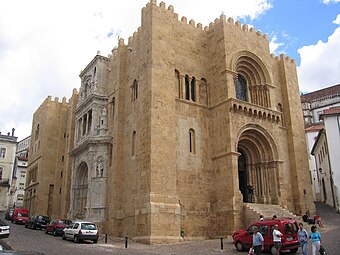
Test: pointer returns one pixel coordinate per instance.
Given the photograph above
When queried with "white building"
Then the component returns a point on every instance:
(311, 134)
(314, 103)
(16, 192)
(327, 156)
(8, 145)
(313, 106)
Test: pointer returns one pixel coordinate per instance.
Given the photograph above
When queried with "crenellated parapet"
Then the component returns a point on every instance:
(283, 58)
(230, 21)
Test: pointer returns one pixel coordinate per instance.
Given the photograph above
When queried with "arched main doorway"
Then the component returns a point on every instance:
(257, 166)
(80, 191)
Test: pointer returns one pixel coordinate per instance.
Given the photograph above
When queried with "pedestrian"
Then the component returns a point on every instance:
(316, 240)
(258, 241)
(261, 218)
(303, 238)
(277, 239)
(250, 190)
(274, 217)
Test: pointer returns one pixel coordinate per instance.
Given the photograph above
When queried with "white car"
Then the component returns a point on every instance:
(4, 230)
(81, 230)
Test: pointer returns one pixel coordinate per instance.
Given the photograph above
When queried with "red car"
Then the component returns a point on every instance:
(20, 215)
(57, 226)
(243, 238)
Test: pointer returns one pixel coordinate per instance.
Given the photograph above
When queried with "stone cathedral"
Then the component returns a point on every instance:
(170, 129)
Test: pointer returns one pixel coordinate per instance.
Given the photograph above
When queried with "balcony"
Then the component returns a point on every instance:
(254, 111)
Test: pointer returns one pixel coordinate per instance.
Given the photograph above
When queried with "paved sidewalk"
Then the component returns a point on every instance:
(330, 236)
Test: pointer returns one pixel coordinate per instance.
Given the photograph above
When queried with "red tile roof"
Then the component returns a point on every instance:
(314, 127)
(330, 111)
(333, 90)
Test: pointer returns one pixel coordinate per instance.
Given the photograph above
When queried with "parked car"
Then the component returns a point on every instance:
(243, 238)
(20, 215)
(57, 226)
(81, 230)
(9, 213)
(4, 230)
(37, 222)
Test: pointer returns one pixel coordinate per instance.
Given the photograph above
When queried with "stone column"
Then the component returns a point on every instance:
(182, 82)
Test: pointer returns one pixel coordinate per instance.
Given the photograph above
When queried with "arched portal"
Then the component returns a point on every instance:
(80, 191)
(257, 167)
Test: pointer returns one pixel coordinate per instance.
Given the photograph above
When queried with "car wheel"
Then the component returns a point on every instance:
(273, 250)
(55, 233)
(95, 241)
(26, 225)
(34, 227)
(294, 250)
(239, 246)
(46, 232)
(64, 237)
(76, 239)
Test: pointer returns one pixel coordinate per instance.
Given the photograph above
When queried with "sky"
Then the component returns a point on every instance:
(45, 44)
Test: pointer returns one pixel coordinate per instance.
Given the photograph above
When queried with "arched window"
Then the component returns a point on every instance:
(280, 109)
(193, 89)
(133, 144)
(241, 88)
(134, 94)
(187, 88)
(192, 141)
(203, 92)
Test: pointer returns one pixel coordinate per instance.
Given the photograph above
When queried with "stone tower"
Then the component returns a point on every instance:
(48, 182)
(173, 126)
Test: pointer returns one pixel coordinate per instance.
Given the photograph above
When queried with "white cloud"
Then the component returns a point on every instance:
(320, 64)
(45, 44)
(331, 1)
(337, 20)
(275, 46)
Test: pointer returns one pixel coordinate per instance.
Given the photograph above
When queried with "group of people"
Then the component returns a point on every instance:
(303, 237)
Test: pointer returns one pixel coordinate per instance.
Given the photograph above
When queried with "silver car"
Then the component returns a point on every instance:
(81, 230)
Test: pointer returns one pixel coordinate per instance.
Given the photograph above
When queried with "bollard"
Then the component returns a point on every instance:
(105, 238)
(221, 243)
(126, 241)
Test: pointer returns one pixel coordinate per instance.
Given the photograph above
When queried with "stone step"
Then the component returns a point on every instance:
(253, 212)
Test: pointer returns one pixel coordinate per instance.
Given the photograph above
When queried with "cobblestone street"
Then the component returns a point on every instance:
(34, 240)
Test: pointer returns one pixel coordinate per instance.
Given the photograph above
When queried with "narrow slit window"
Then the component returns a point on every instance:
(192, 141)
(133, 152)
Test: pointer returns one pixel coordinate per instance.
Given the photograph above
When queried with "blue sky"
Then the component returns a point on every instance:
(297, 23)
(45, 44)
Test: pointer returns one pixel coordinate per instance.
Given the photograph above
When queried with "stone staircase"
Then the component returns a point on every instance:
(252, 212)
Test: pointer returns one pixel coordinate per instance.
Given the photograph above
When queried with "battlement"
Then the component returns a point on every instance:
(192, 23)
(284, 58)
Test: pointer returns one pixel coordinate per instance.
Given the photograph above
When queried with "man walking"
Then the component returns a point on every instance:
(277, 239)
(258, 241)
(303, 238)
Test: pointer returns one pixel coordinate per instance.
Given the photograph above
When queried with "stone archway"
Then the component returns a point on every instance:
(259, 166)
(80, 189)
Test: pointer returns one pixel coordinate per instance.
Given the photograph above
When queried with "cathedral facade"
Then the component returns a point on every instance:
(175, 125)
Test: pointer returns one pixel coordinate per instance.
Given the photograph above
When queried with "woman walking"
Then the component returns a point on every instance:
(316, 240)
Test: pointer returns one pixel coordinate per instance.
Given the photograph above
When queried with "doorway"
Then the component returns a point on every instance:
(242, 175)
